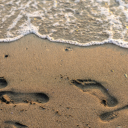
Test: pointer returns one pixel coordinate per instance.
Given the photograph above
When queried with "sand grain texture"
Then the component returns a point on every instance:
(53, 85)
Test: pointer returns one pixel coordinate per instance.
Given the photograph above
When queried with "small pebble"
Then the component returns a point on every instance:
(126, 75)
(118, 127)
(5, 98)
(68, 49)
(6, 56)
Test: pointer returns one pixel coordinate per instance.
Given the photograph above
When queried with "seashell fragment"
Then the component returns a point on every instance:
(126, 75)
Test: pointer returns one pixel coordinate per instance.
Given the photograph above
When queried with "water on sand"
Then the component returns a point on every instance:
(79, 22)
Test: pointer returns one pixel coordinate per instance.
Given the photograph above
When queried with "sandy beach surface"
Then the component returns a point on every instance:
(47, 84)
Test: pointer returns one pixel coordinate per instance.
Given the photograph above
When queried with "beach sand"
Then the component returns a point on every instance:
(45, 84)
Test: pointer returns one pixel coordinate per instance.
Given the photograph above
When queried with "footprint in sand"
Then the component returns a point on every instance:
(3, 82)
(108, 116)
(16, 124)
(97, 89)
(13, 97)
(10, 97)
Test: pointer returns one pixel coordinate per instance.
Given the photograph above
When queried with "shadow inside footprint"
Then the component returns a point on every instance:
(14, 97)
(97, 89)
(17, 124)
(108, 116)
(3, 82)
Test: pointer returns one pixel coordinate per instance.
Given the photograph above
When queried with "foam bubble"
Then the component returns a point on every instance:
(78, 22)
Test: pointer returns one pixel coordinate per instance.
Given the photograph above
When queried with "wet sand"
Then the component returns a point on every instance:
(54, 85)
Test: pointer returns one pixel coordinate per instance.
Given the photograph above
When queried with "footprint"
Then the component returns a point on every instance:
(17, 124)
(108, 116)
(14, 97)
(3, 82)
(97, 89)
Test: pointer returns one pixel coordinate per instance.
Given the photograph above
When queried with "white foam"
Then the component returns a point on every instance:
(77, 1)
(56, 19)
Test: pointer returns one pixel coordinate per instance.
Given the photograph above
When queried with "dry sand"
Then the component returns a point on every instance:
(53, 85)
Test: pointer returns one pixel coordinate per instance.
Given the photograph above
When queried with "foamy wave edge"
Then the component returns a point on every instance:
(119, 43)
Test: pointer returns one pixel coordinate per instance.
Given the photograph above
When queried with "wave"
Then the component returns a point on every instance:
(78, 22)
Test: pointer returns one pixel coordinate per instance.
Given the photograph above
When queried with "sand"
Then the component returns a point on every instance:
(54, 85)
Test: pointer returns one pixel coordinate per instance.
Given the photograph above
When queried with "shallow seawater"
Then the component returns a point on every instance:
(79, 22)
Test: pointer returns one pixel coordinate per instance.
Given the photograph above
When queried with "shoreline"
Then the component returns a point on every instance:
(118, 42)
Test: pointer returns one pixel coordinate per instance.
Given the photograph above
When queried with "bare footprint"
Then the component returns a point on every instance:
(97, 89)
(108, 116)
(14, 97)
(16, 124)
(3, 82)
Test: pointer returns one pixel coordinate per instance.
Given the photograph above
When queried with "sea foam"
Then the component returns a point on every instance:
(78, 22)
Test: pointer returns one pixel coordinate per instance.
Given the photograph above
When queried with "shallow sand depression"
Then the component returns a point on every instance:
(55, 85)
